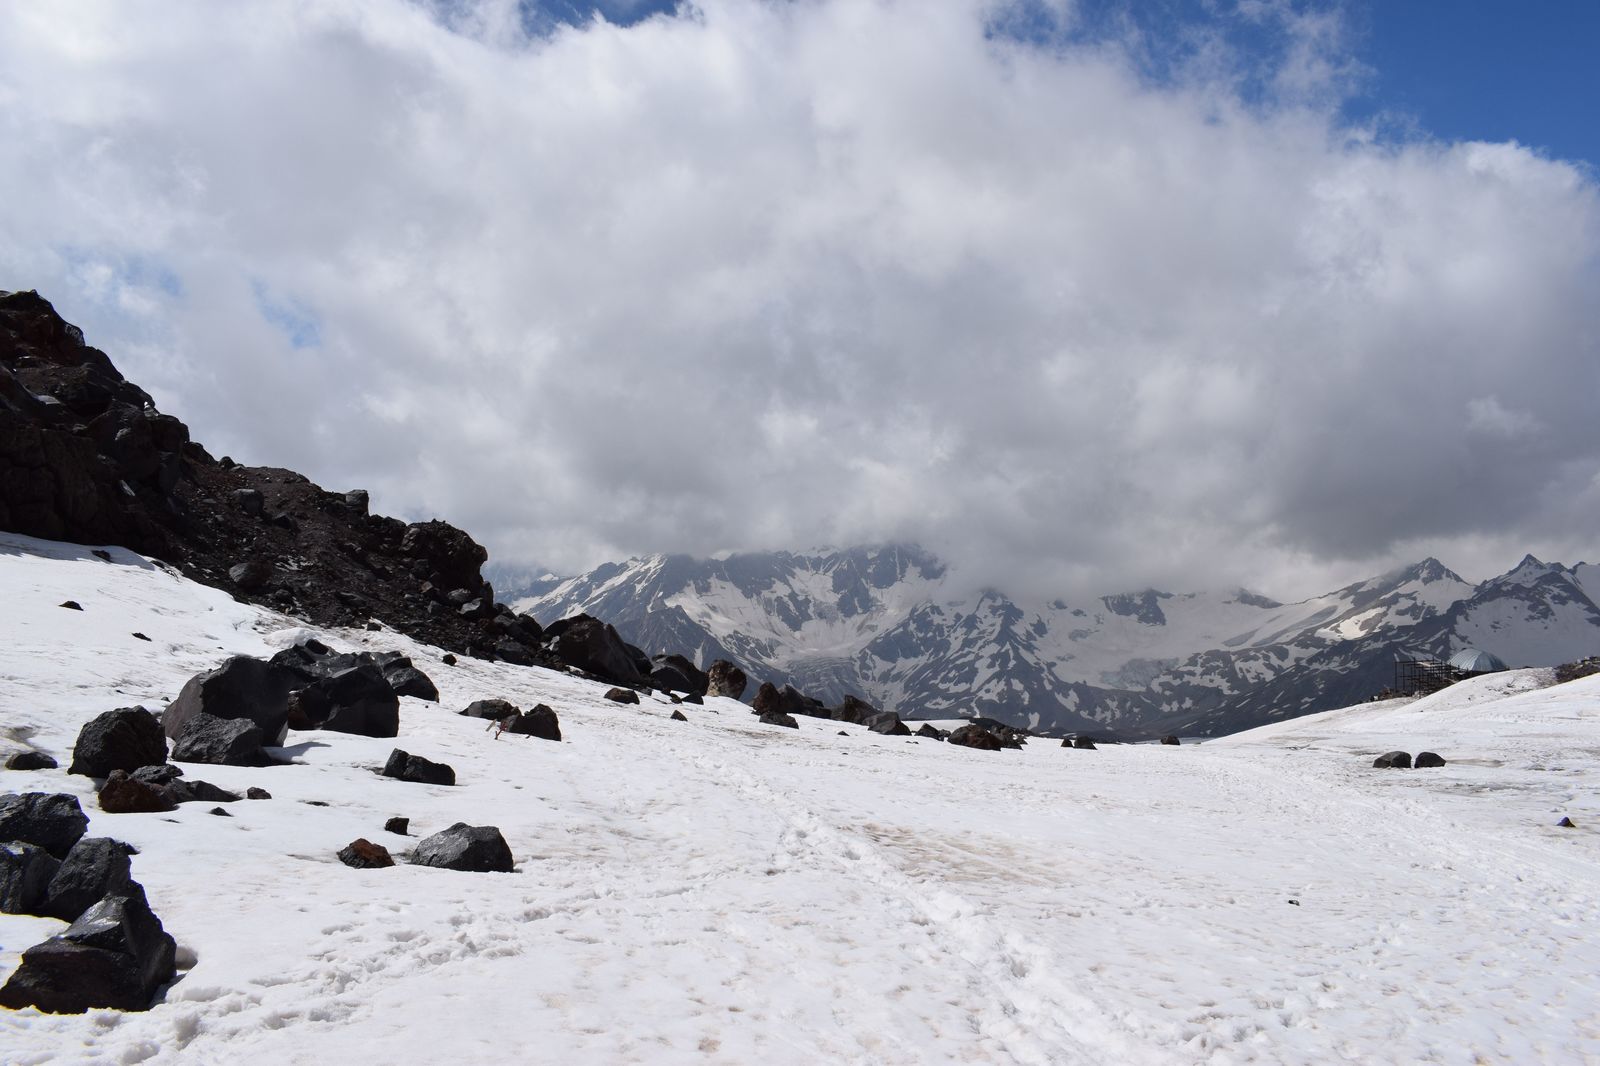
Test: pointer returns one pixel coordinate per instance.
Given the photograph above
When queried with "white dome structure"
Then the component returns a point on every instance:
(1473, 661)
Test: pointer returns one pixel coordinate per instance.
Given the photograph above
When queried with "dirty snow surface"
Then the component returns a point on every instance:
(723, 891)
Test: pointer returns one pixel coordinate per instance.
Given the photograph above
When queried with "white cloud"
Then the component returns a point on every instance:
(769, 274)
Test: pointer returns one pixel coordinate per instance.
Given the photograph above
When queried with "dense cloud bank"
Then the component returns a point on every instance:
(775, 274)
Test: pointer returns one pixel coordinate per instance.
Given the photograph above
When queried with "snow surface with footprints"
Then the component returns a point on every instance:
(722, 891)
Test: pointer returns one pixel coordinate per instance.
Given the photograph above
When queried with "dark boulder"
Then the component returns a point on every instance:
(1169, 739)
(52, 821)
(404, 766)
(250, 501)
(241, 688)
(71, 605)
(407, 680)
(675, 673)
(974, 736)
(1427, 760)
(253, 573)
(725, 679)
(95, 868)
(206, 792)
(594, 647)
(779, 718)
(1083, 743)
(1392, 760)
(622, 695)
(115, 956)
(254, 793)
(25, 873)
(677, 716)
(220, 741)
(123, 794)
(496, 710)
(355, 700)
(853, 710)
(510, 651)
(447, 551)
(123, 739)
(889, 724)
(398, 826)
(694, 700)
(771, 700)
(163, 775)
(30, 760)
(469, 848)
(363, 854)
(540, 722)
(930, 732)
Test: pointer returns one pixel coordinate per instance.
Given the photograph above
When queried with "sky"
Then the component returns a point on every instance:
(1083, 297)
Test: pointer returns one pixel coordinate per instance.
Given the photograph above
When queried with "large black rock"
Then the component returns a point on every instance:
(853, 710)
(889, 724)
(404, 766)
(95, 868)
(243, 688)
(357, 699)
(725, 679)
(25, 873)
(493, 709)
(930, 732)
(674, 673)
(540, 722)
(115, 956)
(594, 647)
(124, 739)
(1393, 760)
(779, 718)
(406, 680)
(52, 821)
(221, 741)
(471, 848)
(974, 736)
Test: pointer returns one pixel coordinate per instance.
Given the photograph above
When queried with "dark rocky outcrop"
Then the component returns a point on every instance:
(853, 710)
(779, 718)
(123, 739)
(931, 732)
(25, 874)
(1393, 760)
(357, 699)
(674, 673)
(220, 741)
(363, 854)
(974, 736)
(622, 695)
(115, 956)
(404, 766)
(95, 868)
(1083, 743)
(889, 724)
(242, 688)
(30, 760)
(593, 646)
(725, 679)
(86, 458)
(470, 848)
(124, 794)
(1427, 760)
(1169, 739)
(52, 821)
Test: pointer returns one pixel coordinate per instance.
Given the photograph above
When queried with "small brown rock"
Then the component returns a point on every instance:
(363, 854)
(123, 794)
(397, 825)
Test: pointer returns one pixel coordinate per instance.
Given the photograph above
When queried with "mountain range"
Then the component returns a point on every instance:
(888, 624)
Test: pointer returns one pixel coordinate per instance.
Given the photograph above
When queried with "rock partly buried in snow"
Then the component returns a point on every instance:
(242, 688)
(254, 793)
(115, 956)
(1169, 739)
(675, 673)
(540, 722)
(357, 699)
(1427, 760)
(974, 736)
(854, 710)
(779, 718)
(404, 766)
(930, 732)
(677, 716)
(1392, 760)
(95, 868)
(398, 826)
(889, 724)
(31, 760)
(594, 647)
(494, 710)
(52, 821)
(25, 873)
(622, 695)
(363, 854)
(725, 679)
(407, 680)
(220, 741)
(470, 848)
(124, 739)
(124, 794)
(1083, 743)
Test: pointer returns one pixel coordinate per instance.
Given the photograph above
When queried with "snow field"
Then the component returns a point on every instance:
(726, 892)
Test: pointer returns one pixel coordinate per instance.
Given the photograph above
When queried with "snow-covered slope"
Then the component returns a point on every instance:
(726, 892)
(883, 623)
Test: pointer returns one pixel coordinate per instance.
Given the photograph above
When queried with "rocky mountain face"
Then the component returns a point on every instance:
(882, 623)
(86, 457)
